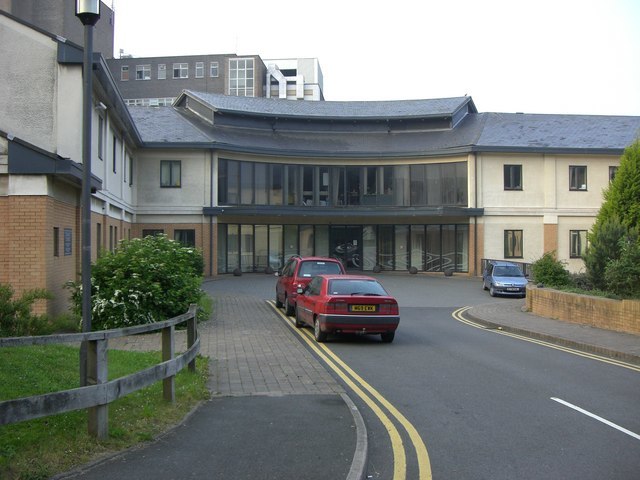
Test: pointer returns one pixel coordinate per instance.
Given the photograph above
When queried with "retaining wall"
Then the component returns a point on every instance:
(617, 315)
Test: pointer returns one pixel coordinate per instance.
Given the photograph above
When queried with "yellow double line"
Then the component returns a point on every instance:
(374, 400)
(459, 315)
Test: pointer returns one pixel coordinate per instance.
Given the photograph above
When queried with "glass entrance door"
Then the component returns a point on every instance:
(346, 244)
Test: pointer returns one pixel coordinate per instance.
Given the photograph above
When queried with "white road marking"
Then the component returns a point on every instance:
(600, 419)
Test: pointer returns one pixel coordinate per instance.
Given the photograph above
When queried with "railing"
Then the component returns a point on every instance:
(100, 392)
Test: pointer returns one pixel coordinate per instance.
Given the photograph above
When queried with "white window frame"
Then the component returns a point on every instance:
(162, 71)
(124, 73)
(182, 69)
(213, 69)
(199, 69)
(143, 72)
(241, 77)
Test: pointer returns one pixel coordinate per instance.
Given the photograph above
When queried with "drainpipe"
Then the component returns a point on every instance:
(211, 204)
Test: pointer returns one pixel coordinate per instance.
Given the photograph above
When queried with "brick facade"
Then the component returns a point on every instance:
(27, 240)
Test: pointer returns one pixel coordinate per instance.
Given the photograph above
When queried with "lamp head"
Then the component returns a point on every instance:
(88, 11)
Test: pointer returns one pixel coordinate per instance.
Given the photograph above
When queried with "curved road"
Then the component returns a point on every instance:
(487, 406)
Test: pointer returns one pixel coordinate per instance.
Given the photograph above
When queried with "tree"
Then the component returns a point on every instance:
(142, 281)
(622, 197)
(604, 247)
(617, 220)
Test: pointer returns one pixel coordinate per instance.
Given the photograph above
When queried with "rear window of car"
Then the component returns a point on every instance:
(313, 268)
(355, 287)
(507, 271)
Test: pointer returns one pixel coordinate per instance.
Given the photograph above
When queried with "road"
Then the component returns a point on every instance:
(484, 406)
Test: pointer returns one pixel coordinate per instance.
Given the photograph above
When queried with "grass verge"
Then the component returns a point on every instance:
(38, 449)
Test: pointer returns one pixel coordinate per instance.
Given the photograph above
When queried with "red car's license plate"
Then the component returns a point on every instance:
(363, 308)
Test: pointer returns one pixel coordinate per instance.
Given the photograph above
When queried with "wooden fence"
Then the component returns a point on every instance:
(99, 391)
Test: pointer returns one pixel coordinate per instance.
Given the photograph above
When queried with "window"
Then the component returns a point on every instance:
(143, 72)
(115, 153)
(68, 241)
(199, 69)
(241, 77)
(612, 173)
(185, 237)
(162, 71)
(56, 242)
(578, 243)
(124, 73)
(577, 177)
(513, 177)
(101, 132)
(99, 239)
(180, 70)
(213, 69)
(513, 244)
(130, 171)
(170, 172)
(152, 232)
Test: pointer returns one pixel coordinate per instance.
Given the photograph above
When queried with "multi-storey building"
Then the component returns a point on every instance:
(430, 184)
(294, 79)
(157, 81)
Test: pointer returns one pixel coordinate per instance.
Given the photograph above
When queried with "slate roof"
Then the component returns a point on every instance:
(335, 110)
(515, 131)
(499, 132)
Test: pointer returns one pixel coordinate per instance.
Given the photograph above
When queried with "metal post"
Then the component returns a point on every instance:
(85, 202)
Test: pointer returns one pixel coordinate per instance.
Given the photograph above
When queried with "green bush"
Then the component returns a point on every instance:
(622, 276)
(16, 318)
(550, 271)
(142, 281)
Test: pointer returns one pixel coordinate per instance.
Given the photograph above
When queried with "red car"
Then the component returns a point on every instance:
(297, 273)
(347, 304)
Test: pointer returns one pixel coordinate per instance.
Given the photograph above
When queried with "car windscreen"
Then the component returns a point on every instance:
(311, 269)
(507, 271)
(355, 287)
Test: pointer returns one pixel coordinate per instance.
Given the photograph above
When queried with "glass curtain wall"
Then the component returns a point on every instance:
(253, 183)
(430, 248)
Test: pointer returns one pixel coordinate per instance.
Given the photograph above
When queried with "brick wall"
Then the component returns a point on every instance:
(26, 241)
(617, 315)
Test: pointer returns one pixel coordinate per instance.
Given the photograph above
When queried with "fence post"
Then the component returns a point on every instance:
(192, 333)
(97, 374)
(168, 352)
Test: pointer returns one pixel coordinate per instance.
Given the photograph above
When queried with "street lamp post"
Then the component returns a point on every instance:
(88, 11)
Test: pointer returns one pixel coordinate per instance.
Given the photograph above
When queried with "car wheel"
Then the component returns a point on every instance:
(492, 291)
(288, 309)
(318, 334)
(278, 302)
(387, 337)
(297, 322)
